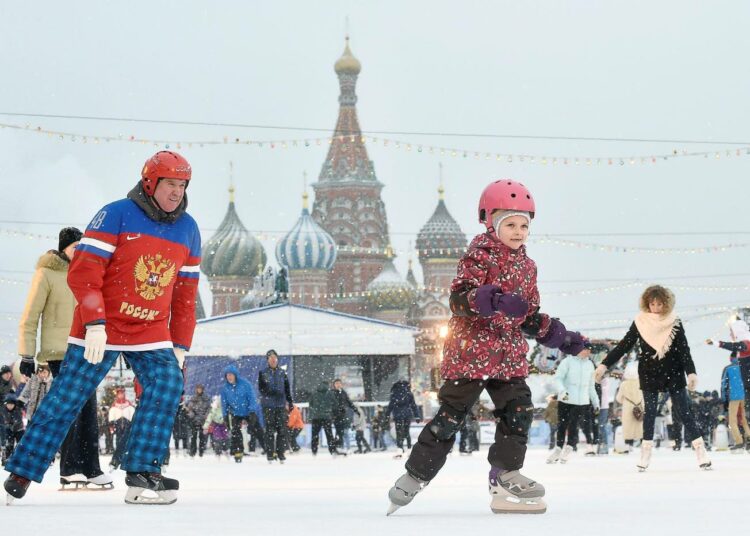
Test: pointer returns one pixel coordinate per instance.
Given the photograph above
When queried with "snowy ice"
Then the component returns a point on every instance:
(605, 496)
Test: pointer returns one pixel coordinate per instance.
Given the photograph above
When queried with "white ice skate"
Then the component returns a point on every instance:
(646, 448)
(404, 491)
(150, 488)
(566, 452)
(100, 482)
(514, 493)
(590, 450)
(554, 456)
(700, 452)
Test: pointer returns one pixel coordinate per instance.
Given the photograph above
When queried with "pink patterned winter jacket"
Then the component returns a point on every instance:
(490, 347)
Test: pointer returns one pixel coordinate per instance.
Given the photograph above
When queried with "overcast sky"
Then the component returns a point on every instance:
(641, 70)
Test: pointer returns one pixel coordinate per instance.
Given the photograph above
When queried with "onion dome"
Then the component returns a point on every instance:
(232, 251)
(347, 63)
(307, 246)
(441, 237)
(389, 290)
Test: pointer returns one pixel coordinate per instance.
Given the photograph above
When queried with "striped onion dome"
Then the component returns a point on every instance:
(232, 251)
(390, 291)
(307, 246)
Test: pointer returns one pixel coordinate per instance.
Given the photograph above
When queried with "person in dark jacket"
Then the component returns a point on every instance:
(404, 410)
(663, 361)
(380, 424)
(102, 419)
(341, 404)
(321, 412)
(6, 381)
(197, 410)
(181, 429)
(11, 420)
(276, 399)
(239, 405)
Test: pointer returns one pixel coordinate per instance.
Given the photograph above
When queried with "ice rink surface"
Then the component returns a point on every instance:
(605, 496)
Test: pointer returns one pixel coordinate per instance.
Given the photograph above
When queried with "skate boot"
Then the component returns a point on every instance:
(73, 482)
(739, 448)
(566, 452)
(590, 450)
(150, 488)
(513, 493)
(700, 452)
(100, 482)
(404, 491)
(646, 448)
(554, 456)
(16, 486)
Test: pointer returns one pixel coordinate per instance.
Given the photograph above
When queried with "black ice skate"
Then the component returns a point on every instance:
(150, 488)
(513, 493)
(404, 491)
(16, 486)
(73, 482)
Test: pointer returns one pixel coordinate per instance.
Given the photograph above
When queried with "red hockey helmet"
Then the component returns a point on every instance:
(164, 165)
(504, 194)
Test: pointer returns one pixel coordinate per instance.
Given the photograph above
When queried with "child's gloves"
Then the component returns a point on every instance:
(490, 300)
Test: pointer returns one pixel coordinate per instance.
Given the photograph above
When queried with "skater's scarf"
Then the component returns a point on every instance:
(657, 330)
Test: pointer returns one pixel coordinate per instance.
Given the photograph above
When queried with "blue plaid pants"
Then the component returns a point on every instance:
(148, 444)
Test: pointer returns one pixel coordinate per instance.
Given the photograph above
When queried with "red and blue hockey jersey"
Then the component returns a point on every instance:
(138, 276)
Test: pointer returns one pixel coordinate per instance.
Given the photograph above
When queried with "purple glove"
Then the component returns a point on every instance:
(574, 343)
(555, 335)
(490, 300)
(484, 298)
(512, 305)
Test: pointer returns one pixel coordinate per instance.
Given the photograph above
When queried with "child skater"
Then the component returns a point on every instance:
(495, 305)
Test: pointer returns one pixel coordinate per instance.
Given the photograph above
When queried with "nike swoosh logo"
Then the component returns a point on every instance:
(128, 237)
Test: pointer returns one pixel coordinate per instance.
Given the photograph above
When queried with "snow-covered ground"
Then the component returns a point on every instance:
(310, 496)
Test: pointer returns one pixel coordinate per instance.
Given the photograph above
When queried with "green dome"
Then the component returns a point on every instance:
(232, 251)
(389, 291)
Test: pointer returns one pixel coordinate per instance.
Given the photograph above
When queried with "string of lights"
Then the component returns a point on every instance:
(397, 144)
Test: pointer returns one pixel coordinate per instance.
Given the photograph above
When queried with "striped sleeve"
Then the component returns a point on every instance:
(86, 273)
(184, 295)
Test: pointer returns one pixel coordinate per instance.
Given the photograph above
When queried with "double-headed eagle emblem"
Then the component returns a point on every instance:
(152, 274)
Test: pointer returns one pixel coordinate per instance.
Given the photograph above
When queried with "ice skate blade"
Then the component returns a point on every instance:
(706, 466)
(641, 469)
(513, 505)
(392, 508)
(9, 499)
(135, 496)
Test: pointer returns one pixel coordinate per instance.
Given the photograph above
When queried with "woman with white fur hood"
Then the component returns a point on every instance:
(663, 361)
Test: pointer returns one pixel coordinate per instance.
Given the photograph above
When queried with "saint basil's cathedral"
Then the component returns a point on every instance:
(338, 254)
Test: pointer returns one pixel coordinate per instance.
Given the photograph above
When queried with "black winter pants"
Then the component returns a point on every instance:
(680, 405)
(568, 417)
(513, 414)
(234, 423)
(197, 439)
(275, 440)
(402, 433)
(359, 437)
(745, 373)
(79, 453)
(325, 424)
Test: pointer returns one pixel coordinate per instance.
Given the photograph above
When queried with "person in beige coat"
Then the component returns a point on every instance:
(630, 395)
(50, 305)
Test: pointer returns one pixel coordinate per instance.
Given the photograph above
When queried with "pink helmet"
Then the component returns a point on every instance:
(505, 194)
